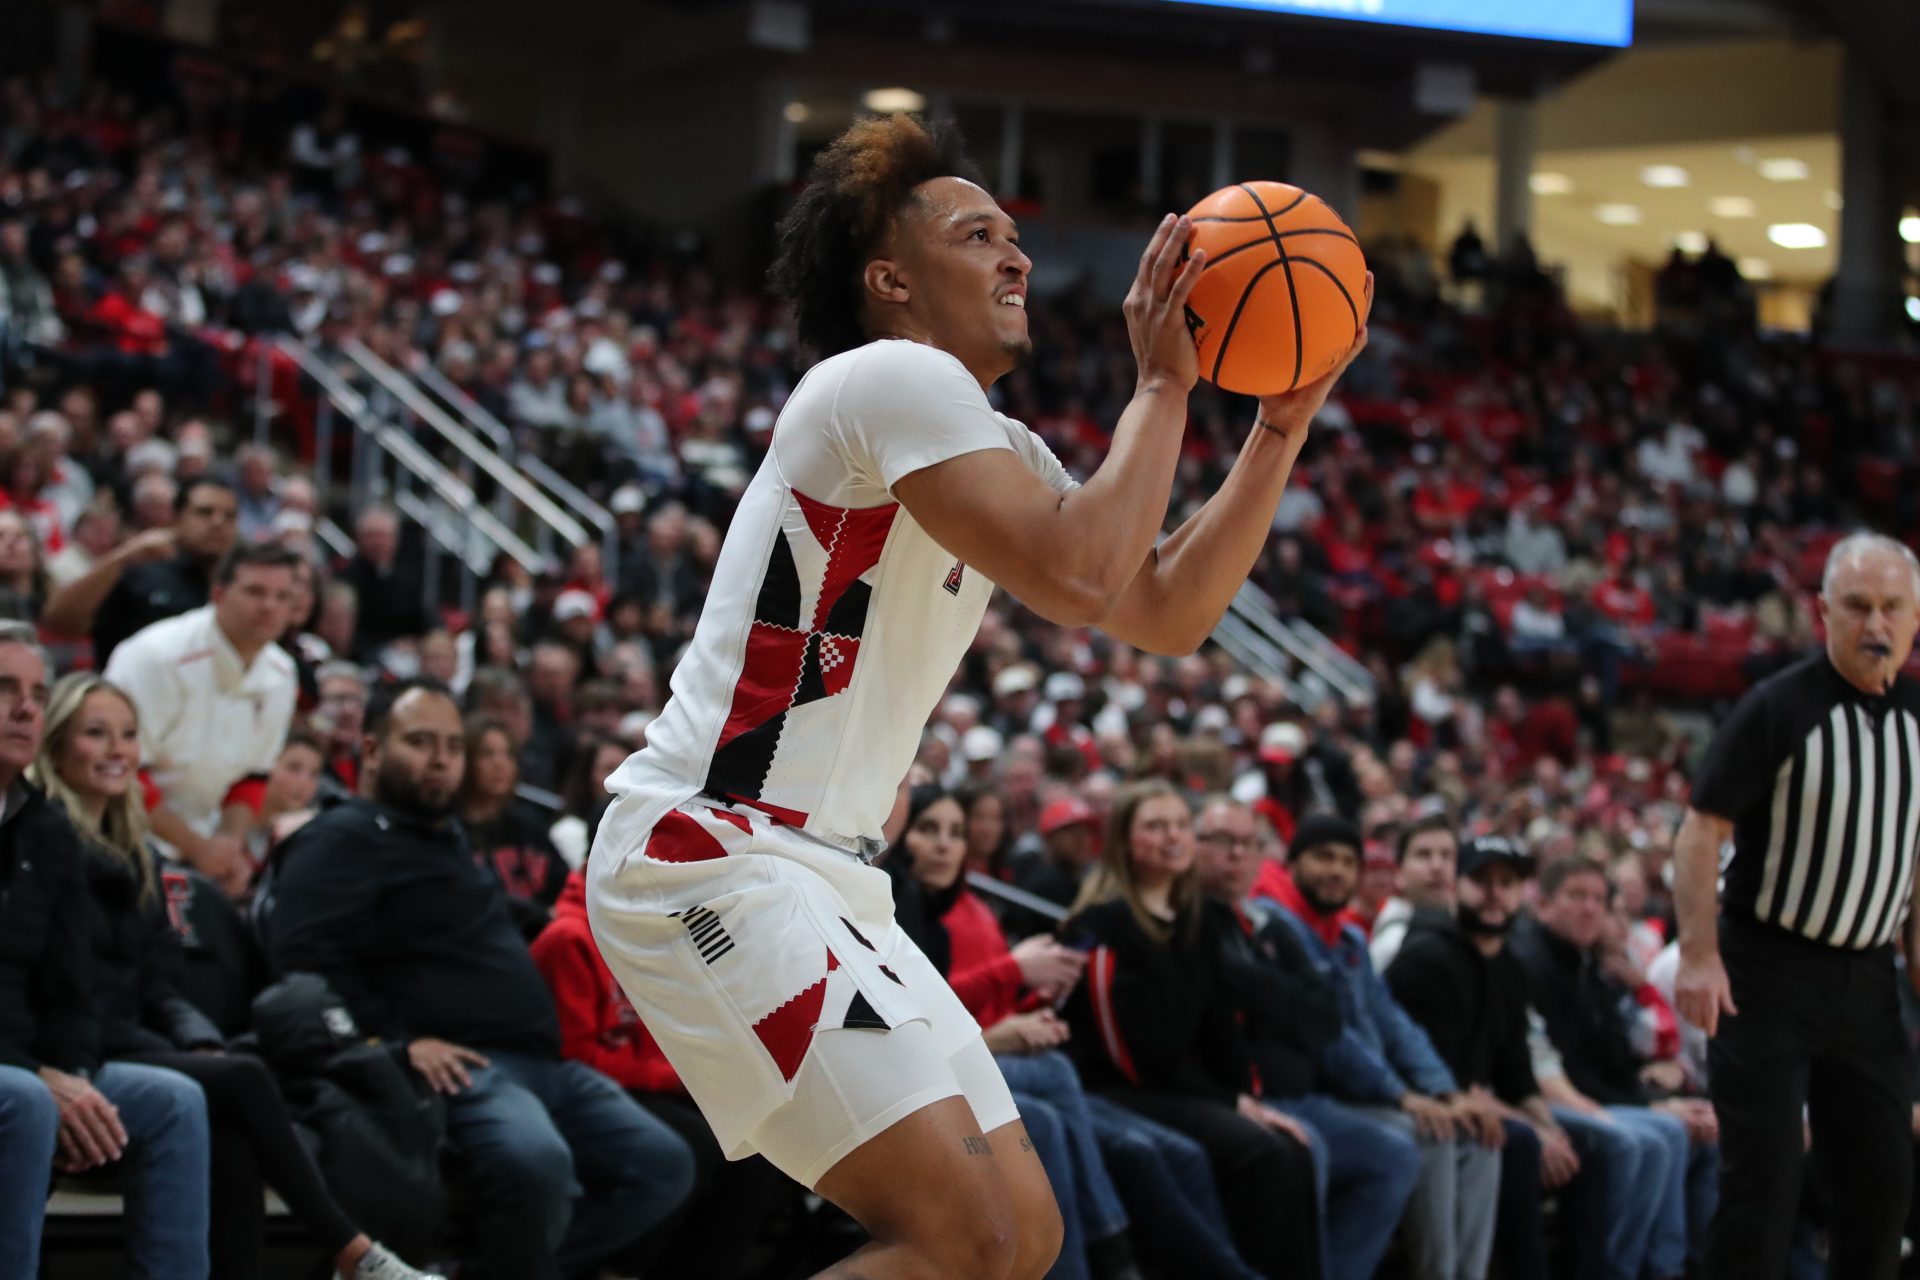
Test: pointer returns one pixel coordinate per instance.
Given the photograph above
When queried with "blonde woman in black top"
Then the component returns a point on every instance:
(87, 764)
(1157, 1028)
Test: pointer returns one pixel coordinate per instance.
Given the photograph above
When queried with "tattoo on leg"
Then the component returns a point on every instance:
(978, 1146)
(1025, 1145)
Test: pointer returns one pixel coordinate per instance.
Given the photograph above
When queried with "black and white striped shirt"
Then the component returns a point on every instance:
(1822, 784)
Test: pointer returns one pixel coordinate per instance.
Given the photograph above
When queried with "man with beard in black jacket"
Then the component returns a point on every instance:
(1454, 976)
(382, 897)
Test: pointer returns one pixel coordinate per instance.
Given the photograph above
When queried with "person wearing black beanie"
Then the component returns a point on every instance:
(1385, 1062)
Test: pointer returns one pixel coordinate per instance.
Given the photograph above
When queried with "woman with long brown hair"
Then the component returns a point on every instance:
(1156, 1028)
(87, 764)
(23, 572)
(509, 835)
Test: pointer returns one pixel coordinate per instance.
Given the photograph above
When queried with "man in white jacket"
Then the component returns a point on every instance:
(215, 695)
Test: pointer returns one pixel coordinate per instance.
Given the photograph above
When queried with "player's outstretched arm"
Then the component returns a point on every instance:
(1184, 586)
(1069, 557)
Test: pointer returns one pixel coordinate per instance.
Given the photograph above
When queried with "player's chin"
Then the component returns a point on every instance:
(1017, 349)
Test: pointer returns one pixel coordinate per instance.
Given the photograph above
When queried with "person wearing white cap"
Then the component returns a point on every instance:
(1016, 696)
(980, 747)
(730, 886)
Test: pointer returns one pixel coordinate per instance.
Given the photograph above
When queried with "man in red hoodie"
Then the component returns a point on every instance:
(732, 1203)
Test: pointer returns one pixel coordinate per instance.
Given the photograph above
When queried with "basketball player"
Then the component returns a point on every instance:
(730, 886)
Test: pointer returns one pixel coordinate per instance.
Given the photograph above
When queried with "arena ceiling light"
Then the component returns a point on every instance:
(797, 112)
(1756, 268)
(1731, 207)
(1910, 228)
(1797, 235)
(1550, 184)
(1784, 169)
(1664, 175)
(1913, 308)
(886, 101)
(1691, 242)
(1619, 215)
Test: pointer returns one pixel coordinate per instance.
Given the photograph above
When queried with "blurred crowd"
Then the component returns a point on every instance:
(1557, 552)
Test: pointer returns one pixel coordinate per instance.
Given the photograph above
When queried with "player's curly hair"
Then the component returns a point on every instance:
(857, 185)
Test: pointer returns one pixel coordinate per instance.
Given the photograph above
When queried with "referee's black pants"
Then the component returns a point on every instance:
(1818, 1027)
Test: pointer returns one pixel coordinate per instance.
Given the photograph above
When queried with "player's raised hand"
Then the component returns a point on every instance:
(1156, 306)
(1292, 411)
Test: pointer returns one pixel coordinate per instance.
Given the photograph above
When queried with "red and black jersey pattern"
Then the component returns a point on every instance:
(803, 641)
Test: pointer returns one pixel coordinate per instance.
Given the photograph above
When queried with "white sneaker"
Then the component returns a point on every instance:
(379, 1263)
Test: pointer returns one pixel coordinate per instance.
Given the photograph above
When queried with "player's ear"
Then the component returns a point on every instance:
(885, 280)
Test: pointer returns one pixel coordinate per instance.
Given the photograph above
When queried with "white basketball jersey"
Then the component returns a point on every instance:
(834, 622)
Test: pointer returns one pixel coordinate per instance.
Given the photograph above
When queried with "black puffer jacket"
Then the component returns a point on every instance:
(381, 1128)
(137, 965)
(46, 966)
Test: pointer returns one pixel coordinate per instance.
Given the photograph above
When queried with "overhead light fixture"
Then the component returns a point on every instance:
(1691, 242)
(888, 101)
(1550, 184)
(1835, 202)
(1618, 215)
(1910, 229)
(1664, 175)
(1784, 169)
(1913, 308)
(1756, 268)
(1797, 235)
(796, 113)
(1730, 207)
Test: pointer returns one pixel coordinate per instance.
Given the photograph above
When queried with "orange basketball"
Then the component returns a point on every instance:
(1279, 300)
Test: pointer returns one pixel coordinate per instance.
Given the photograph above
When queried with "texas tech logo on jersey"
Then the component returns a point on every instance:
(952, 584)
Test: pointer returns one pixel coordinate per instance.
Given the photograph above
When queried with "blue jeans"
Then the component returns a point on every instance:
(1051, 1077)
(165, 1173)
(1519, 1234)
(1047, 1129)
(1166, 1183)
(1366, 1172)
(29, 1128)
(1652, 1174)
(566, 1168)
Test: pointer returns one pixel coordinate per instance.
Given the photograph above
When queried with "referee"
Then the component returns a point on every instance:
(1815, 777)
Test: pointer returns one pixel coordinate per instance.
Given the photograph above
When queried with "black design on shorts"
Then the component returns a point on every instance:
(858, 937)
(861, 1014)
(707, 932)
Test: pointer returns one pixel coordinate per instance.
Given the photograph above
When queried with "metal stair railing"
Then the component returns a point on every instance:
(457, 527)
(1255, 609)
(480, 420)
(549, 520)
(1334, 653)
(1262, 657)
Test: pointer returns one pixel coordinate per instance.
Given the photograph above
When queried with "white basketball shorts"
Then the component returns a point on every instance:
(768, 966)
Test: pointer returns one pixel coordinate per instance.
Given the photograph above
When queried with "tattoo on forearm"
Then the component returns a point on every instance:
(978, 1146)
(1025, 1145)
